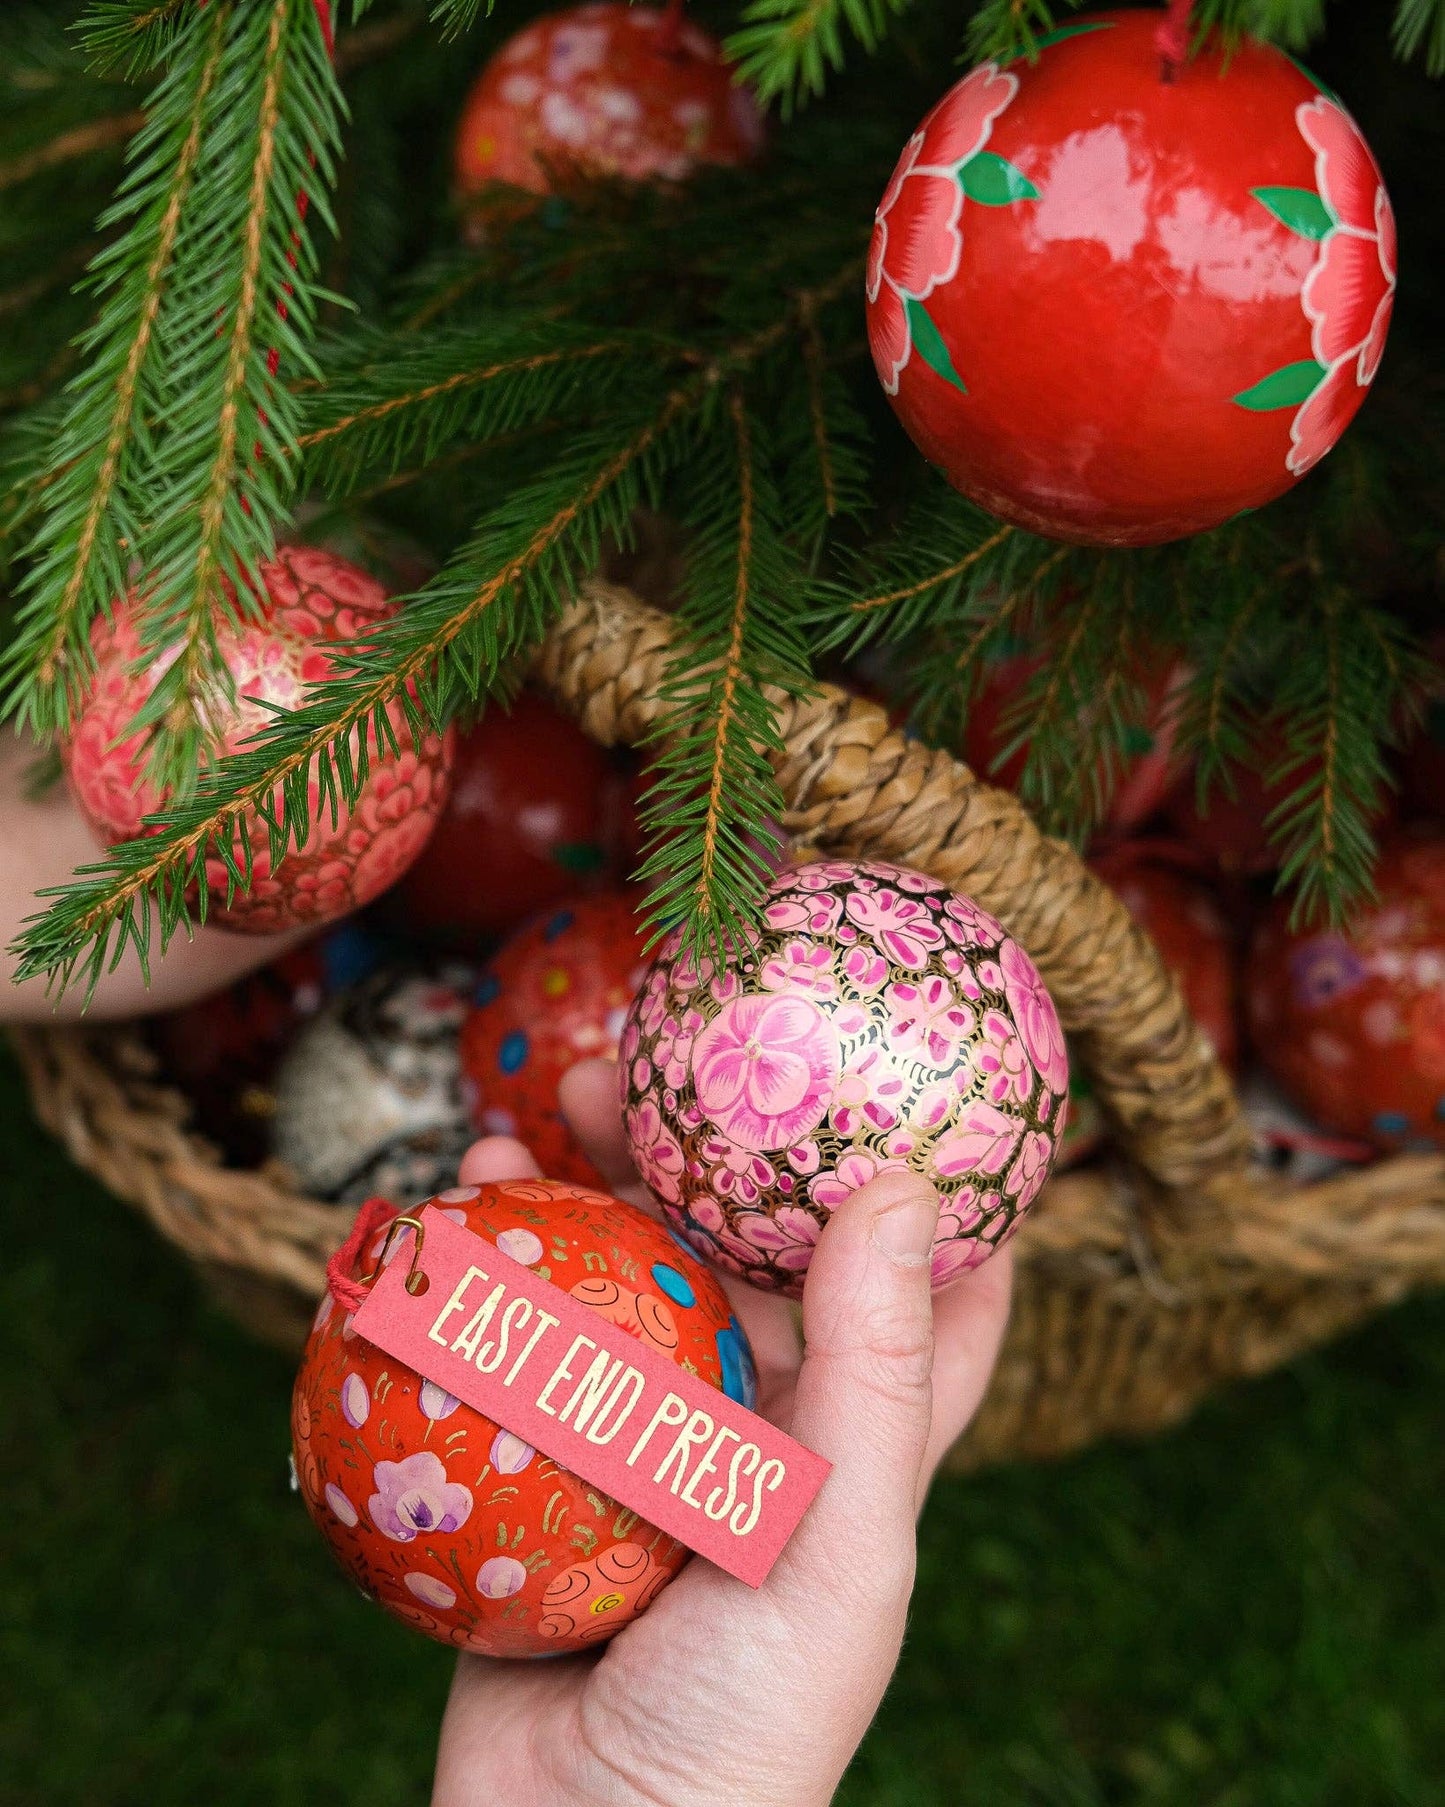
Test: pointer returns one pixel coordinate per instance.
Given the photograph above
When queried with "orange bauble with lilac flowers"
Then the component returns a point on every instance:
(1118, 301)
(444, 1517)
(283, 641)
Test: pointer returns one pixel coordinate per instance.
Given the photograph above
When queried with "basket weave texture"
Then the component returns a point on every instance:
(1140, 1288)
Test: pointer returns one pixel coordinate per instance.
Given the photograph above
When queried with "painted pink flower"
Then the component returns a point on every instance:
(764, 1069)
(1033, 1011)
(902, 878)
(927, 1021)
(917, 236)
(957, 1246)
(1030, 1168)
(736, 1173)
(982, 1140)
(672, 1052)
(801, 966)
(1349, 295)
(655, 1149)
(902, 927)
(1002, 1061)
(652, 1004)
(818, 912)
(855, 1169)
(789, 1235)
(864, 969)
(820, 875)
(868, 1093)
(415, 1496)
(968, 925)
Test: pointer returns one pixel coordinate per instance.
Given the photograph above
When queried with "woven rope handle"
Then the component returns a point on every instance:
(855, 785)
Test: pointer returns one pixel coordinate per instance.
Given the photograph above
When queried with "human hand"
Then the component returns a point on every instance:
(723, 1693)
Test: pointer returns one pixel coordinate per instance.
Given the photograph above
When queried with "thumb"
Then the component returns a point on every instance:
(863, 1399)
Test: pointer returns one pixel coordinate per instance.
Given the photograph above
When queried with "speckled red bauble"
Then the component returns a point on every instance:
(443, 1516)
(611, 90)
(1148, 768)
(536, 811)
(309, 600)
(1117, 309)
(1353, 1024)
(1183, 920)
(877, 1021)
(556, 993)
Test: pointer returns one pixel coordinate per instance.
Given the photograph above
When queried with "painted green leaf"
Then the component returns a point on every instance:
(1286, 387)
(995, 182)
(928, 343)
(1301, 209)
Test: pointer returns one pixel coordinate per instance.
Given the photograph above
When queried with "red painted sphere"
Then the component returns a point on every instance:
(1184, 921)
(443, 1516)
(612, 90)
(556, 993)
(1149, 765)
(1117, 309)
(309, 600)
(536, 810)
(1353, 1024)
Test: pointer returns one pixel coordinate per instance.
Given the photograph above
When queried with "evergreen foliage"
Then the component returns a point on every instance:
(225, 353)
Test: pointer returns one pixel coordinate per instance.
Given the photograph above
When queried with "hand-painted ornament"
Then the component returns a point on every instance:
(309, 600)
(1136, 791)
(877, 1021)
(1352, 1024)
(1117, 308)
(377, 1075)
(556, 993)
(537, 810)
(1183, 920)
(609, 90)
(443, 1516)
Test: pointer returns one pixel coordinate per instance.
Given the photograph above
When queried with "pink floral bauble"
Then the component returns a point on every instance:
(309, 600)
(878, 1021)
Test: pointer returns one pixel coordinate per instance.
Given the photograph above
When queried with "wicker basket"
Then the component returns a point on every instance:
(1139, 1289)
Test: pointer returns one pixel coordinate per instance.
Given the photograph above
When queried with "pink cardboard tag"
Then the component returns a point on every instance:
(616, 1411)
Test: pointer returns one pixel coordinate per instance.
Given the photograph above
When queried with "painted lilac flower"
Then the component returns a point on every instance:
(855, 1169)
(1030, 1169)
(982, 1140)
(1033, 1011)
(340, 1505)
(1002, 1061)
(415, 1496)
(801, 966)
(926, 1020)
(435, 1401)
(521, 1245)
(867, 1093)
(902, 927)
(429, 1590)
(655, 1149)
(355, 1401)
(500, 1577)
(1326, 967)
(509, 1454)
(764, 1069)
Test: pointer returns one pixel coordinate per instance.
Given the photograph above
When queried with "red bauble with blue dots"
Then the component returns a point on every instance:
(556, 993)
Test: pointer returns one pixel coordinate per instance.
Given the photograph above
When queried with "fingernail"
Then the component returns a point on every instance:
(904, 1231)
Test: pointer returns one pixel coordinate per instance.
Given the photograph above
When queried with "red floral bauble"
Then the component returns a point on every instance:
(1118, 309)
(443, 1516)
(556, 993)
(1149, 765)
(1183, 920)
(879, 1021)
(309, 600)
(611, 90)
(536, 810)
(1352, 1024)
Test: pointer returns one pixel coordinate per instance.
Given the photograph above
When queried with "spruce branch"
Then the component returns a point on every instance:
(1420, 23)
(785, 48)
(129, 37)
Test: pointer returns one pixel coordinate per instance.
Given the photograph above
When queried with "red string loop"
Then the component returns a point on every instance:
(1173, 38)
(349, 1293)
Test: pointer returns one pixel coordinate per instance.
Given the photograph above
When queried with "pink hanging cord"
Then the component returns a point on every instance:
(373, 1215)
(1173, 37)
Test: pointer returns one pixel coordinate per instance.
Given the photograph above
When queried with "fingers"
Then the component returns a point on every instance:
(497, 1158)
(588, 1097)
(969, 1320)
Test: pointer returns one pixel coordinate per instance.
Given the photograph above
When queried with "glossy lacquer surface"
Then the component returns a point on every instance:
(1119, 309)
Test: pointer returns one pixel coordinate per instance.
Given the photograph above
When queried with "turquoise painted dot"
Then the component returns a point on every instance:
(489, 989)
(677, 1286)
(1392, 1123)
(513, 1051)
(558, 925)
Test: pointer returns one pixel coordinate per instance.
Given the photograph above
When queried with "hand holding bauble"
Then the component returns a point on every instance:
(878, 1021)
(444, 1517)
(1117, 308)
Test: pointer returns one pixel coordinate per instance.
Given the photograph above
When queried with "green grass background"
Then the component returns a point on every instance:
(1246, 1612)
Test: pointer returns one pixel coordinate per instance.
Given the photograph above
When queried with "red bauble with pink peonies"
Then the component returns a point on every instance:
(282, 642)
(1118, 298)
